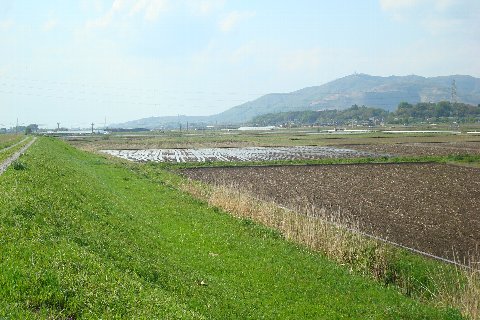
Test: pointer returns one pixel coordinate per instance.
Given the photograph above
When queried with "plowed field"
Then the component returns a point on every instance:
(430, 207)
(422, 149)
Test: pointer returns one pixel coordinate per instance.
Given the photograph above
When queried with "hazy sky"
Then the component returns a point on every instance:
(77, 62)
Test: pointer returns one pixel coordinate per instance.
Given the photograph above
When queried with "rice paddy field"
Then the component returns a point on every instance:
(432, 207)
(276, 138)
(423, 149)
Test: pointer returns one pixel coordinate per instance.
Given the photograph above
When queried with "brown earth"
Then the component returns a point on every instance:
(434, 208)
(421, 149)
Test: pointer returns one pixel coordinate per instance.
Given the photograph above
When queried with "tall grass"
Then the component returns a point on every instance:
(7, 140)
(464, 291)
(326, 230)
(14, 147)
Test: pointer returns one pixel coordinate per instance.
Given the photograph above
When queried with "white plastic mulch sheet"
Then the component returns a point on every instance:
(237, 154)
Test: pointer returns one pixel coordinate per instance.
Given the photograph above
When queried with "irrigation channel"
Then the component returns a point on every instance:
(5, 164)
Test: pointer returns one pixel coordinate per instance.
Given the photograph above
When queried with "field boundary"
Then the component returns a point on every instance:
(371, 236)
(275, 165)
(361, 233)
(312, 187)
(15, 156)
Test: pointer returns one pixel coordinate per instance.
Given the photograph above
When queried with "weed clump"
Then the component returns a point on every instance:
(17, 165)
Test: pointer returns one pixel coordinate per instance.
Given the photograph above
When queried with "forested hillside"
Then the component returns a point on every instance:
(443, 111)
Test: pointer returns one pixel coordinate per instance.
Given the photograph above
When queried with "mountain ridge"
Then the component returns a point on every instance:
(358, 88)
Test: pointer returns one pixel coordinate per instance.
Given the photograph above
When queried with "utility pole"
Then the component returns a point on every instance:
(187, 126)
(16, 128)
(92, 124)
(58, 126)
(454, 92)
(453, 101)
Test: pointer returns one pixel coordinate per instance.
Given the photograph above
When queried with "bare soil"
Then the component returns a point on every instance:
(434, 208)
(421, 149)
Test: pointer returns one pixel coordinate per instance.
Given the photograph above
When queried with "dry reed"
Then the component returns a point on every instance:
(318, 229)
(464, 292)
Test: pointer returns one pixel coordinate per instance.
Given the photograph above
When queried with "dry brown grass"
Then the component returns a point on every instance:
(325, 230)
(465, 291)
(319, 230)
(469, 299)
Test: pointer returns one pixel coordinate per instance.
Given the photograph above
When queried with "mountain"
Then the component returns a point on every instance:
(360, 89)
(164, 122)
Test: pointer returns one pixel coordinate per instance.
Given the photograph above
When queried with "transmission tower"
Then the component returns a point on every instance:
(454, 96)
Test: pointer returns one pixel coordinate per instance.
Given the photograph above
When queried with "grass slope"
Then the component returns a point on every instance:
(81, 237)
(10, 150)
(6, 140)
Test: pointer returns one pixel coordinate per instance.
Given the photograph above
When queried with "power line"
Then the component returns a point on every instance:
(376, 100)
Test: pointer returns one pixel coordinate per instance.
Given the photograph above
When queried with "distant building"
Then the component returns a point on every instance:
(256, 128)
(73, 132)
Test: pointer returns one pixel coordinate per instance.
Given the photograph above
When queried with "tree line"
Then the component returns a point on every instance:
(405, 113)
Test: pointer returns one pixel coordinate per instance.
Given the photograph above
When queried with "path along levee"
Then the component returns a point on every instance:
(5, 164)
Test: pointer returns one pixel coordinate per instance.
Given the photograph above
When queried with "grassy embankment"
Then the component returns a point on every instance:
(82, 237)
(19, 144)
(6, 140)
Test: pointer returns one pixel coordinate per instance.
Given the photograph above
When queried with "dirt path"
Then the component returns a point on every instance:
(16, 155)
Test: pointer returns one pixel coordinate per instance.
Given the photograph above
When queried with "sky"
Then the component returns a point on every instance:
(83, 61)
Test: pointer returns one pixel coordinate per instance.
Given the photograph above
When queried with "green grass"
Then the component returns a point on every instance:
(82, 237)
(4, 154)
(7, 140)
